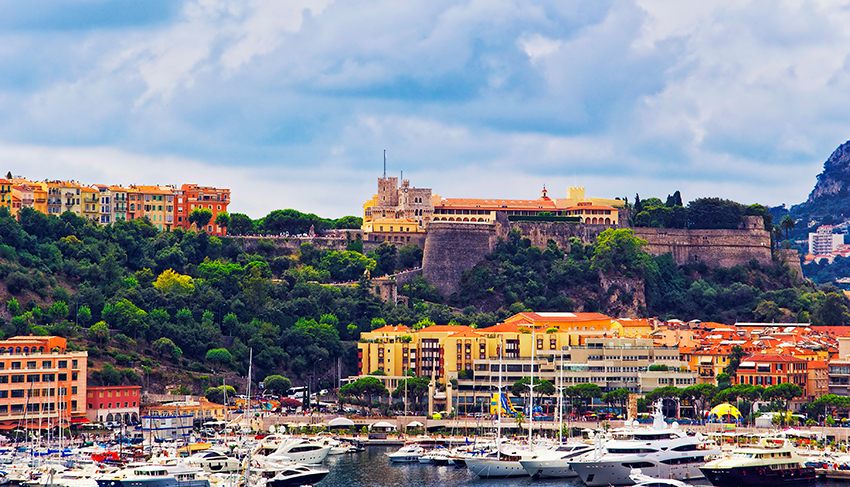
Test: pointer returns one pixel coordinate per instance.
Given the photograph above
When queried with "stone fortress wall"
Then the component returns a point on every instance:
(452, 248)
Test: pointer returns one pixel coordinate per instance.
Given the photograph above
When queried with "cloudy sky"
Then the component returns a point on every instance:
(290, 103)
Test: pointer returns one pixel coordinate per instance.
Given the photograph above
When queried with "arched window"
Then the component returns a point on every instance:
(26, 350)
(18, 350)
(607, 221)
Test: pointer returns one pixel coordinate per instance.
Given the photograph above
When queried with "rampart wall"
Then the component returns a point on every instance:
(451, 248)
(717, 248)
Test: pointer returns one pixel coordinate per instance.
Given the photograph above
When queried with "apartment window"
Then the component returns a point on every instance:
(48, 377)
(4, 394)
(33, 378)
(17, 379)
(73, 405)
(110, 405)
(46, 364)
(31, 364)
(4, 409)
(73, 376)
(17, 408)
(18, 393)
(2, 365)
(73, 389)
(74, 365)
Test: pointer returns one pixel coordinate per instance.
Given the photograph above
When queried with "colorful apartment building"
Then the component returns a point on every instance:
(23, 196)
(113, 403)
(191, 196)
(118, 196)
(156, 203)
(39, 378)
(90, 204)
(767, 370)
(6, 193)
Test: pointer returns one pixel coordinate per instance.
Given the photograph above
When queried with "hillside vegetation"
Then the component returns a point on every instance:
(180, 308)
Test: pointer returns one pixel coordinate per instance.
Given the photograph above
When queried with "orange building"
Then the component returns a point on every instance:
(767, 370)
(156, 203)
(113, 403)
(40, 379)
(191, 197)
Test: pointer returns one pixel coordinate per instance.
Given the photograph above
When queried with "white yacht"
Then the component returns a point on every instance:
(213, 462)
(146, 475)
(659, 451)
(300, 450)
(505, 462)
(772, 461)
(555, 463)
(410, 453)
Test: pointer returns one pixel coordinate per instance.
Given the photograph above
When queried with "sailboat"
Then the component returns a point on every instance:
(504, 463)
(555, 463)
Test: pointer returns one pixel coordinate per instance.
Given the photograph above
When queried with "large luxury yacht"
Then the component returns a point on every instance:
(658, 451)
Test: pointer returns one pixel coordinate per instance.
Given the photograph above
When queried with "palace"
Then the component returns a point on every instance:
(398, 214)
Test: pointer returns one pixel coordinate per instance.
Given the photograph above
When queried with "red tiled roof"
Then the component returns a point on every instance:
(767, 357)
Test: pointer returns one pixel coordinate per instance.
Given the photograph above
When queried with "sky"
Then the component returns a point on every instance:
(291, 103)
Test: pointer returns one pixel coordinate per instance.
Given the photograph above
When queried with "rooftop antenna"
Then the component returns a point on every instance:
(385, 164)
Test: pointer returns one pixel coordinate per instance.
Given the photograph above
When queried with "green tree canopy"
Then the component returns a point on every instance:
(277, 384)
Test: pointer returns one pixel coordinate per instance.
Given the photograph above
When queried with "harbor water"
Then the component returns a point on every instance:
(372, 468)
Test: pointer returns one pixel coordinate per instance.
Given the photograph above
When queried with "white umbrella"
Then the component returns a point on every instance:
(414, 424)
(341, 421)
(383, 424)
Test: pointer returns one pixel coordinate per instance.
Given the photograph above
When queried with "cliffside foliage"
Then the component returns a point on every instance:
(129, 293)
(701, 213)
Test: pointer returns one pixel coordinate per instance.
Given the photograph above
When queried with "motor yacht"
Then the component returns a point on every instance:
(407, 454)
(300, 450)
(771, 461)
(147, 475)
(659, 451)
(555, 463)
(295, 475)
(213, 461)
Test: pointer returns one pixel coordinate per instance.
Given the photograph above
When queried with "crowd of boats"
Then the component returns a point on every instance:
(657, 455)
(272, 461)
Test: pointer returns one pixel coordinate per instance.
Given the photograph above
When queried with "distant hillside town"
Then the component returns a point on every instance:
(167, 207)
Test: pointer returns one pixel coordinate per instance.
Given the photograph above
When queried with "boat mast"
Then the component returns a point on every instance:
(531, 392)
(499, 403)
(560, 401)
(248, 411)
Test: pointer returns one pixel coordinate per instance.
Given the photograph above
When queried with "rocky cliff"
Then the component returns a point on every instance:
(831, 194)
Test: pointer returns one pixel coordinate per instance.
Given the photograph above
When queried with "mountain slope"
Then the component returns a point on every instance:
(831, 194)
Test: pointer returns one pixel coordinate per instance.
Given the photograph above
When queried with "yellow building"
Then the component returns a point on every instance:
(580, 324)
(90, 204)
(576, 195)
(5, 193)
(392, 225)
(634, 328)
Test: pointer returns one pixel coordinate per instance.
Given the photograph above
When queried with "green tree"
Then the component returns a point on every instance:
(220, 357)
(200, 217)
(736, 354)
(618, 396)
(222, 220)
(216, 394)
(787, 224)
(714, 213)
(619, 251)
(166, 348)
(99, 332)
(541, 387)
(364, 387)
(277, 384)
(171, 282)
(83, 315)
(767, 312)
(240, 224)
(833, 311)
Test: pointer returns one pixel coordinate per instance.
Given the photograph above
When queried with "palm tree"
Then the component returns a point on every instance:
(787, 224)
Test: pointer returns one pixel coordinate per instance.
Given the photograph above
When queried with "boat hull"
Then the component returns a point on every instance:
(549, 469)
(617, 472)
(491, 467)
(306, 479)
(735, 476)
